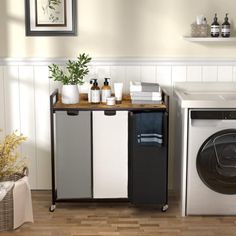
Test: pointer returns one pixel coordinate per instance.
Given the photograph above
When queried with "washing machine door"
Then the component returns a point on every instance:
(216, 162)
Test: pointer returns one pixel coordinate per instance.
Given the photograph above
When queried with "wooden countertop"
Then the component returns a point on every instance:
(125, 105)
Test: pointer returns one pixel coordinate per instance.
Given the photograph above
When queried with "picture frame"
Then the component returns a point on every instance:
(51, 17)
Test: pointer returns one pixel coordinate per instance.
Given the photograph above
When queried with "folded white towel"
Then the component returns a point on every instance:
(144, 87)
(5, 187)
(151, 98)
(146, 94)
(22, 202)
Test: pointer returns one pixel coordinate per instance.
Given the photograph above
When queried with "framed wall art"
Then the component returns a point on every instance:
(51, 17)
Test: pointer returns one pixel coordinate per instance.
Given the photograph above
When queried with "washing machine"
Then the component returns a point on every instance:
(211, 162)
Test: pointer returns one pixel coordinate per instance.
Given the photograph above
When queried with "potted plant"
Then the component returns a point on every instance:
(74, 76)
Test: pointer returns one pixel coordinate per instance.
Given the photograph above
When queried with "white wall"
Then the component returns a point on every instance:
(120, 28)
(25, 90)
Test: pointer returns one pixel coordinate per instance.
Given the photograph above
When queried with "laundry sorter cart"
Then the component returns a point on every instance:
(82, 168)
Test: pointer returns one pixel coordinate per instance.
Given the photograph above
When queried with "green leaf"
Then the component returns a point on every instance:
(76, 70)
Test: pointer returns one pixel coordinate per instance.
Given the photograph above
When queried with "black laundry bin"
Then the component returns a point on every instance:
(148, 165)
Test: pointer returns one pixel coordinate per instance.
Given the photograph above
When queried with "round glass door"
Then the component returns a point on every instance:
(216, 162)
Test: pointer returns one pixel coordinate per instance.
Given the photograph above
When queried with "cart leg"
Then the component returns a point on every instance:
(164, 208)
(52, 208)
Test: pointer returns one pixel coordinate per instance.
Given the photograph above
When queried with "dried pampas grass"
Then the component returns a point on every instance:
(10, 160)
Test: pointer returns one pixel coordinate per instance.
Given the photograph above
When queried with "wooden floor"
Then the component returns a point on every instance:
(118, 219)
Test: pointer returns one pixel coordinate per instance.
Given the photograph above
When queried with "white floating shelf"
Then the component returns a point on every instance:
(209, 39)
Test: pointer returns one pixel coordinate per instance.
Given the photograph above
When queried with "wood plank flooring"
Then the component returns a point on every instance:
(119, 219)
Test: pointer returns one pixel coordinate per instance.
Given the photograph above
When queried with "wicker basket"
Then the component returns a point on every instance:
(6, 205)
(199, 30)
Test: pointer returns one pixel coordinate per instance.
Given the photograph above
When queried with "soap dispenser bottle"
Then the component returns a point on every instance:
(95, 92)
(89, 90)
(215, 28)
(225, 30)
(106, 90)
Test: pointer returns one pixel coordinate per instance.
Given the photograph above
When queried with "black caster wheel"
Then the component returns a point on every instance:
(52, 208)
(164, 208)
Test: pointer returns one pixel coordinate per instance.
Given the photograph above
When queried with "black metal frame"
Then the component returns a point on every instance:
(166, 128)
(54, 97)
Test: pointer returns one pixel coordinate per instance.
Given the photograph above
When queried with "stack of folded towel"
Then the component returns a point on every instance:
(145, 93)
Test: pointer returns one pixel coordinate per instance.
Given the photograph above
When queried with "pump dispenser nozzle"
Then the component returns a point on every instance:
(226, 17)
(215, 18)
(95, 82)
(106, 82)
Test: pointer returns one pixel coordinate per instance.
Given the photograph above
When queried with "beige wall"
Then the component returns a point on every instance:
(120, 28)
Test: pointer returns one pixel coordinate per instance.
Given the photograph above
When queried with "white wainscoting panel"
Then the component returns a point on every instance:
(118, 74)
(209, 73)
(133, 73)
(194, 73)
(225, 73)
(179, 74)
(101, 72)
(234, 73)
(2, 107)
(25, 89)
(12, 99)
(27, 119)
(163, 76)
(148, 74)
(42, 125)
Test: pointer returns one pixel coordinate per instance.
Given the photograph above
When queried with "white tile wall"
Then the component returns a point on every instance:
(25, 90)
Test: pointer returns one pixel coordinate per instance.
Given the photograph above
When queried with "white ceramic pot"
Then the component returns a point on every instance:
(70, 94)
